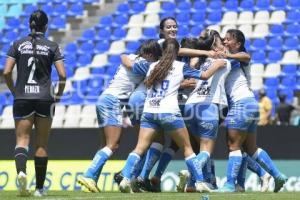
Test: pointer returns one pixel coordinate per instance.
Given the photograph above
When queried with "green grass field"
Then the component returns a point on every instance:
(62, 195)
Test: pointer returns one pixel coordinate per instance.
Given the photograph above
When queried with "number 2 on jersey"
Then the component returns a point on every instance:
(31, 64)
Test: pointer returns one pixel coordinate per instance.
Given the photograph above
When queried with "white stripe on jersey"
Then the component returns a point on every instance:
(124, 81)
(213, 89)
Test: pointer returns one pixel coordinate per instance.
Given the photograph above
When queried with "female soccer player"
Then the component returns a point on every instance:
(34, 96)
(242, 117)
(109, 111)
(162, 83)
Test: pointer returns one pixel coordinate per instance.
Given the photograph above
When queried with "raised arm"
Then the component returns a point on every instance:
(217, 64)
(241, 56)
(126, 61)
(195, 52)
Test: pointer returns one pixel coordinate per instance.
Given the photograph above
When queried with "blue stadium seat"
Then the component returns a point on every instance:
(215, 6)
(76, 98)
(246, 5)
(75, 10)
(14, 10)
(271, 83)
(70, 48)
(213, 18)
(122, 9)
(84, 60)
(258, 57)
(118, 33)
(97, 71)
(278, 5)
(69, 72)
(167, 14)
(276, 30)
(291, 43)
(293, 4)
(132, 46)
(262, 5)
(199, 6)
(196, 30)
(150, 33)
(114, 67)
(231, 6)
(95, 82)
(197, 18)
(183, 6)
(87, 35)
(274, 57)
(258, 44)
(2, 62)
(288, 83)
(28, 9)
(86, 48)
(91, 2)
(120, 21)
(101, 47)
(168, 7)
(105, 22)
(292, 30)
(48, 8)
(70, 61)
(103, 34)
(60, 10)
(114, 60)
(289, 70)
(137, 8)
(247, 43)
(183, 31)
(183, 19)
(54, 75)
(58, 23)
(275, 43)
(289, 93)
(292, 16)
(297, 88)
(271, 93)
(9, 36)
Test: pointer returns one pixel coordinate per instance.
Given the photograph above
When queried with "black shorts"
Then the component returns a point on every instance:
(23, 108)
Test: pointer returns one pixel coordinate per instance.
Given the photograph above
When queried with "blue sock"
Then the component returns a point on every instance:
(196, 163)
(203, 157)
(266, 162)
(153, 154)
(164, 161)
(130, 165)
(255, 167)
(213, 179)
(98, 162)
(233, 166)
(241, 178)
(206, 172)
(139, 166)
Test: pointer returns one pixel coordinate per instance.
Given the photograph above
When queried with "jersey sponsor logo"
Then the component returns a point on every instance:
(26, 48)
(204, 89)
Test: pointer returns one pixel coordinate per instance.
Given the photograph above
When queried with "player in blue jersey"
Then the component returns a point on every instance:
(162, 81)
(109, 111)
(34, 96)
(242, 117)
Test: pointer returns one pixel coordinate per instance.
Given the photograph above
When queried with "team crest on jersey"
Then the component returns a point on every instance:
(26, 48)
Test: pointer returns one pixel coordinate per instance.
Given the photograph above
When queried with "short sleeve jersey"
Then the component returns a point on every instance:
(34, 73)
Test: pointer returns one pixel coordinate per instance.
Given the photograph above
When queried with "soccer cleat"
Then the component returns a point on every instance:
(155, 183)
(184, 175)
(118, 177)
(264, 182)
(239, 188)
(125, 186)
(227, 188)
(88, 183)
(39, 193)
(22, 179)
(203, 187)
(141, 185)
(279, 182)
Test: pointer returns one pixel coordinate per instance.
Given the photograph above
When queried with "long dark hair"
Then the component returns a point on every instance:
(162, 68)
(209, 39)
(37, 22)
(150, 47)
(239, 37)
(162, 25)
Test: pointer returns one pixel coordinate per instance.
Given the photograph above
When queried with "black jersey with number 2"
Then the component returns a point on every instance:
(34, 73)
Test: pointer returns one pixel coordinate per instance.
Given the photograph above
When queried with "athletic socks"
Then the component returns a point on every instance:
(196, 163)
(266, 162)
(203, 158)
(139, 166)
(130, 165)
(164, 161)
(21, 156)
(255, 167)
(40, 164)
(98, 162)
(241, 178)
(153, 154)
(233, 166)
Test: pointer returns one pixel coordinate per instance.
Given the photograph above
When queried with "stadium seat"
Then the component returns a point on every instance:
(261, 17)
(13, 23)
(213, 18)
(225, 29)
(278, 5)
(231, 6)
(214, 6)
(118, 34)
(58, 24)
(136, 21)
(83, 60)
(122, 8)
(168, 7)
(292, 30)
(153, 7)
(271, 83)
(72, 116)
(257, 70)
(197, 19)
(134, 33)
(60, 10)
(292, 16)
(114, 60)
(199, 6)
(183, 7)
(275, 43)
(258, 44)
(132, 46)
(87, 35)
(151, 20)
(86, 48)
(76, 10)
(70, 48)
(289, 93)
(256, 83)
(276, 30)
(14, 10)
(291, 43)
(88, 116)
(260, 30)
(277, 17)
(183, 19)
(272, 70)
(117, 47)
(293, 4)
(105, 22)
(103, 35)
(258, 57)
(101, 47)
(214, 27)
(9, 36)
(229, 18)
(99, 60)
(59, 116)
(245, 17)
(246, 5)
(137, 7)
(81, 74)
(274, 56)
(183, 31)
(262, 5)
(289, 71)
(97, 71)
(290, 57)
(120, 21)
(247, 30)
(114, 66)
(196, 30)
(150, 33)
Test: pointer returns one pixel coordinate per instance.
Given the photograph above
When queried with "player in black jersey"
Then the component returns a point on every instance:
(34, 96)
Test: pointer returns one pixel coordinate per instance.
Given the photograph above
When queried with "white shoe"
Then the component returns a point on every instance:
(184, 175)
(203, 187)
(125, 186)
(22, 180)
(40, 193)
(264, 182)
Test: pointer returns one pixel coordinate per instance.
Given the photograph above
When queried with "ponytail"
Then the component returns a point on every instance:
(33, 39)
(162, 68)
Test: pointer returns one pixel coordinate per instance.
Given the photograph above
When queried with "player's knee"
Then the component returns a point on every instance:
(41, 151)
(113, 147)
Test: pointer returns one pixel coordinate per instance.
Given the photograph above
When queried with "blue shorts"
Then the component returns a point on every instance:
(243, 115)
(135, 106)
(109, 111)
(202, 120)
(165, 121)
